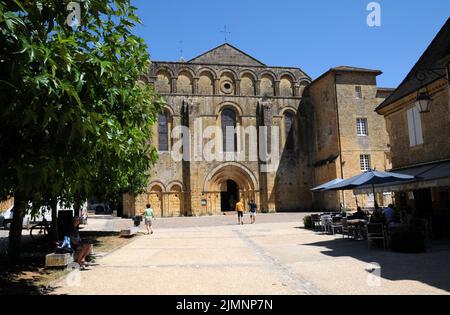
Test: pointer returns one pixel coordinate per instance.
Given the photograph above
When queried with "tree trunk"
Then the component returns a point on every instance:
(15, 233)
(76, 209)
(54, 225)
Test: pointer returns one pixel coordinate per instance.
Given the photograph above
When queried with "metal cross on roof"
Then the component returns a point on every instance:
(181, 51)
(225, 33)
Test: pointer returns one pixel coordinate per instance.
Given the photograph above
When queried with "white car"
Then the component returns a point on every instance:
(7, 217)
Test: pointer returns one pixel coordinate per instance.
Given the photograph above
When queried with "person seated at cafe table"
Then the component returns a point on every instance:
(360, 214)
(377, 215)
(389, 214)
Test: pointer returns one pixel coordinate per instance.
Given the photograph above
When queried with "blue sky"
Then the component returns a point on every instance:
(314, 35)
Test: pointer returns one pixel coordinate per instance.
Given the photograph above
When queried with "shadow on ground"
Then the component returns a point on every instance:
(29, 276)
(432, 267)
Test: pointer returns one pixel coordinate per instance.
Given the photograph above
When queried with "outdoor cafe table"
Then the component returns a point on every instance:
(359, 225)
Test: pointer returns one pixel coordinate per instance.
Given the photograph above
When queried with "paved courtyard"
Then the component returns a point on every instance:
(213, 255)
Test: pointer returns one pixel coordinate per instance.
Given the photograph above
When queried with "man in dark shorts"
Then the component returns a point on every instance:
(253, 208)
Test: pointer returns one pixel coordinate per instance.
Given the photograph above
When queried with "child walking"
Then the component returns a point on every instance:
(149, 215)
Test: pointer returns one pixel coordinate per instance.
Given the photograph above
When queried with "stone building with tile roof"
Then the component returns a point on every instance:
(225, 87)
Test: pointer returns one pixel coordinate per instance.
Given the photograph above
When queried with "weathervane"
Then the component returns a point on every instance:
(225, 33)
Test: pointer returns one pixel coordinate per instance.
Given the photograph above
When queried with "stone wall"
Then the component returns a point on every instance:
(337, 147)
(435, 127)
(324, 140)
(375, 144)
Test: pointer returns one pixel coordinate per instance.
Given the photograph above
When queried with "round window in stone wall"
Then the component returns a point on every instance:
(227, 87)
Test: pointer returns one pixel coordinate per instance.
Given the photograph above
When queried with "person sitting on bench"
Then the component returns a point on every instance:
(81, 250)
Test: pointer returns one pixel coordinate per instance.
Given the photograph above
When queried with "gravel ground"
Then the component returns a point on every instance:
(275, 256)
(112, 224)
(106, 223)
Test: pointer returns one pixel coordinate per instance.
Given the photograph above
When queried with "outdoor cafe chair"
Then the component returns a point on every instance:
(326, 223)
(316, 222)
(376, 231)
(336, 224)
(347, 229)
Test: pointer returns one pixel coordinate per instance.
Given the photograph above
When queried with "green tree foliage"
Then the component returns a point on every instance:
(76, 113)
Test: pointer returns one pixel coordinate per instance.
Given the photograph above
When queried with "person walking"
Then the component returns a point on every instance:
(149, 215)
(240, 211)
(253, 207)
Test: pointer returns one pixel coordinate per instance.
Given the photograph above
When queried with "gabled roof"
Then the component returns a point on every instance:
(355, 69)
(348, 69)
(227, 54)
(433, 57)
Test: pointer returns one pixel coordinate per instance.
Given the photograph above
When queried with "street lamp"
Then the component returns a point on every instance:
(423, 99)
(423, 102)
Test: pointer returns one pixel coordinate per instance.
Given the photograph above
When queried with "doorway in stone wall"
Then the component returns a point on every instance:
(229, 198)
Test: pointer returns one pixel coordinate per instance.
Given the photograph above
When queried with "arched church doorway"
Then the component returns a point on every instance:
(230, 196)
(230, 182)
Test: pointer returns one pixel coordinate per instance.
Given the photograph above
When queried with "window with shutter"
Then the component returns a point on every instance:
(163, 132)
(228, 120)
(414, 127)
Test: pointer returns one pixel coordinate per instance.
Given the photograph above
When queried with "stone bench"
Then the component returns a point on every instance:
(130, 232)
(58, 260)
(62, 260)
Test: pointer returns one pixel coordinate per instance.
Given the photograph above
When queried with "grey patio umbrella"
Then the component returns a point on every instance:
(371, 177)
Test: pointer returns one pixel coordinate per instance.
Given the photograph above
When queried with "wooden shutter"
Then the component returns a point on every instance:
(411, 128)
(418, 126)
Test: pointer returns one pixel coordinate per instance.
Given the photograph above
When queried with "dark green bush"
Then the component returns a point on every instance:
(307, 222)
(407, 239)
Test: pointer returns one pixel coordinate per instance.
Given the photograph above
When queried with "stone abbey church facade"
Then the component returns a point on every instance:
(322, 134)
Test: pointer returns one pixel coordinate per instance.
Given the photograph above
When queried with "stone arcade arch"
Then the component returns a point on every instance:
(155, 198)
(175, 200)
(166, 201)
(224, 178)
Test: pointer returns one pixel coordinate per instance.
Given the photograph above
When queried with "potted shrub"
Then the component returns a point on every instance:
(307, 222)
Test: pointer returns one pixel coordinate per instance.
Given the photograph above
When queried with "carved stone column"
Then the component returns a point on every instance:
(297, 89)
(216, 86)
(173, 86)
(277, 88)
(238, 87)
(195, 86)
(258, 87)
